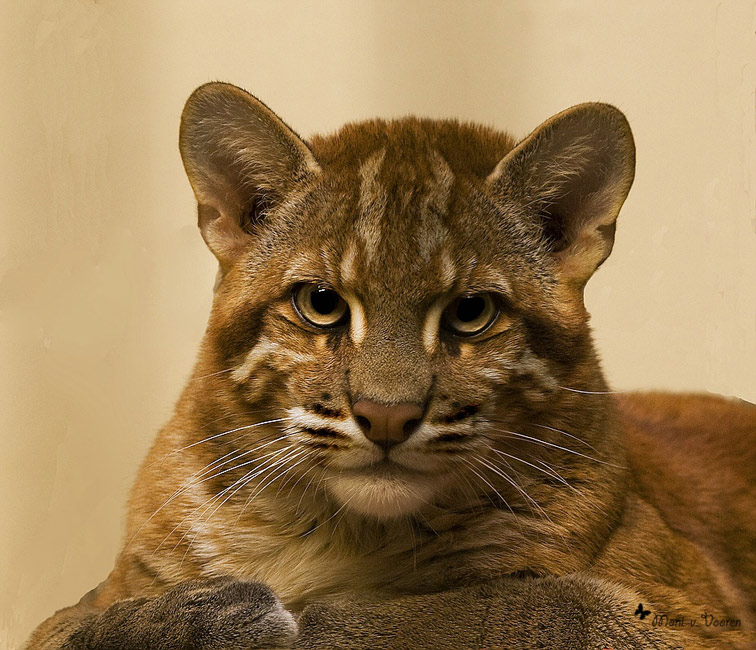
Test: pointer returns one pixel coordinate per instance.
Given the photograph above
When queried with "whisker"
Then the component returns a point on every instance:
(514, 484)
(475, 496)
(215, 497)
(558, 476)
(271, 467)
(193, 480)
(593, 392)
(487, 482)
(274, 477)
(249, 426)
(245, 453)
(428, 524)
(312, 530)
(552, 474)
(569, 435)
(337, 522)
(555, 430)
(225, 433)
(310, 454)
(551, 444)
(309, 483)
(557, 529)
(242, 483)
(178, 492)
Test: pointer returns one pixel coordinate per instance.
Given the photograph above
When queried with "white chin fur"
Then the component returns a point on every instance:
(382, 497)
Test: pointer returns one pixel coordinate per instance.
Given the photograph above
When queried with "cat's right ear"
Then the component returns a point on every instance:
(241, 159)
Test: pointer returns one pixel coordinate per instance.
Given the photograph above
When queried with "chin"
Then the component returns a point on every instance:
(383, 497)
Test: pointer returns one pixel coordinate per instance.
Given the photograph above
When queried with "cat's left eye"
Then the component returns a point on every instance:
(318, 305)
(470, 314)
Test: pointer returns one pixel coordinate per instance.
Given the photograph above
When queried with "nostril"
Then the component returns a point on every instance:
(410, 426)
(363, 422)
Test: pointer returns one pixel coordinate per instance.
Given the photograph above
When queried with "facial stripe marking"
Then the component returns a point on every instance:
(254, 359)
(301, 419)
(444, 179)
(465, 350)
(358, 327)
(432, 324)
(348, 267)
(323, 432)
(448, 272)
(431, 231)
(372, 203)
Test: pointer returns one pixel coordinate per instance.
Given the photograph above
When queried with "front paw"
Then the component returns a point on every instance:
(220, 613)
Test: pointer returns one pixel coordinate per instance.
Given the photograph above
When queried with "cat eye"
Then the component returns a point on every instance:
(470, 314)
(319, 305)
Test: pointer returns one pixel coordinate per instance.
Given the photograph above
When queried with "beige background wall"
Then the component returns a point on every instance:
(105, 283)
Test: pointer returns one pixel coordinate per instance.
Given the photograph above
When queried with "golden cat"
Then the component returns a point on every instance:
(397, 433)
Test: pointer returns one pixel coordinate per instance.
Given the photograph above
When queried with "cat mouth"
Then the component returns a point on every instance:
(383, 489)
(389, 468)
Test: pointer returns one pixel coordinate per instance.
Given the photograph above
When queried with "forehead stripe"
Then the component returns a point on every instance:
(372, 203)
(348, 265)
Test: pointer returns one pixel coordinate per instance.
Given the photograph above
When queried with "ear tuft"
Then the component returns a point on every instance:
(573, 173)
(241, 160)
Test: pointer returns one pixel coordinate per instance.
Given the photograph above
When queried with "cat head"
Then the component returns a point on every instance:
(404, 298)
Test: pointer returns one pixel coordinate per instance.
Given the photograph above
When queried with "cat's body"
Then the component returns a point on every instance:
(397, 421)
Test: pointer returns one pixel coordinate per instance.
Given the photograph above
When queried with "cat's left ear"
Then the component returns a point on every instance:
(573, 174)
(241, 160)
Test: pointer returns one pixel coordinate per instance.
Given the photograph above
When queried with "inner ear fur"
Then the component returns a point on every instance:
(241, 160)
(573, 173)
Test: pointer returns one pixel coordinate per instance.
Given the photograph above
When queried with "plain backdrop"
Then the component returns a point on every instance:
(105, 284)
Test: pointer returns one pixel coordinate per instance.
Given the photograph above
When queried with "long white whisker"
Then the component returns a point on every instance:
(194, 480)
(225, 433)
(514, 484)
(593, 392)
(569, 435)
(488, 483)
(292, 452)
(459, 472)
(245, 453)
(310, 454)
(180, 490)
(552, 474)
(550, 444)
(241, 483)
(427, 523)
(312, 530)
(209, 501)
(558, 529)
(307, 487)
(274, 477)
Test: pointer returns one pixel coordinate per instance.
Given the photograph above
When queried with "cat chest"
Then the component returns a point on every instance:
(302, 570)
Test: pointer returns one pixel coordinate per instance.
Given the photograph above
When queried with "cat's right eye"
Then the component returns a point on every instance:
(318, 305)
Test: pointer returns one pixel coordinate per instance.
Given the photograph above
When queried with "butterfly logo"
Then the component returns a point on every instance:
(641, 612)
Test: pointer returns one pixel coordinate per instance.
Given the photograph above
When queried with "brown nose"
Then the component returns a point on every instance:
(387, 425)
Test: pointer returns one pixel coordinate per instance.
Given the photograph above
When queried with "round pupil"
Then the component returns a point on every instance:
(324, 301)
(470, 308)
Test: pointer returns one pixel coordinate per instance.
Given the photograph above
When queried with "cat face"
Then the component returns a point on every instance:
(402, 300)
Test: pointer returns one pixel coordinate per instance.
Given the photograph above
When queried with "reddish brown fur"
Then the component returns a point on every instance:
(643, 497)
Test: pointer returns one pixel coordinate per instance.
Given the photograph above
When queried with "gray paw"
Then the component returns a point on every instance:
(220, 614)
